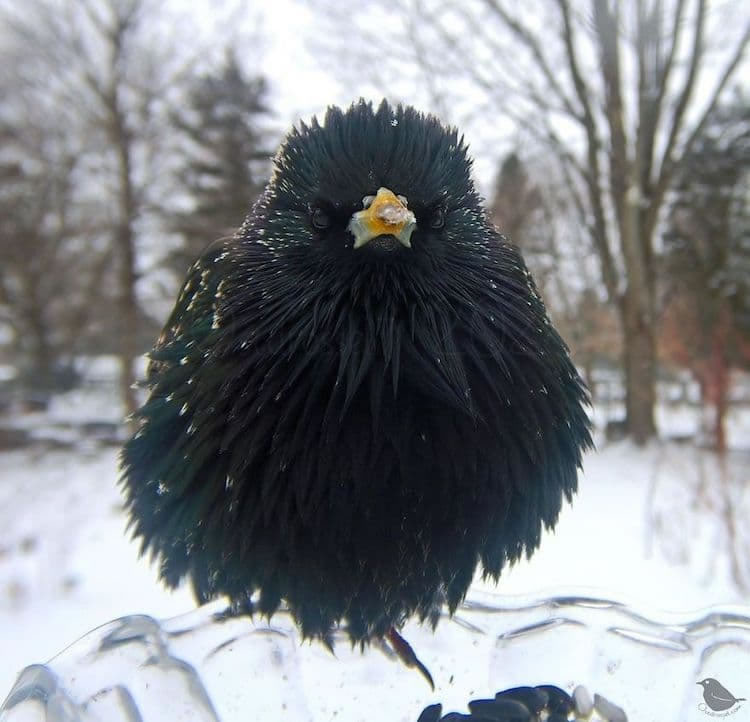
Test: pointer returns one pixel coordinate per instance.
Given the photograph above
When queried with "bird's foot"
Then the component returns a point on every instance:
(406, 654)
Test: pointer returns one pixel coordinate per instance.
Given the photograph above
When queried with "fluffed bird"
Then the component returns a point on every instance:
(359, 398)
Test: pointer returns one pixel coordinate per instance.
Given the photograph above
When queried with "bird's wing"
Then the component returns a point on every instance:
(193, 314)
(160, 464)
(722, 694)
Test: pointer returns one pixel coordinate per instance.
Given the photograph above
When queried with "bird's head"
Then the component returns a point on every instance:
(389, 183)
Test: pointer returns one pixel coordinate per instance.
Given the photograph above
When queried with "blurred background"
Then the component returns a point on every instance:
(611, 142)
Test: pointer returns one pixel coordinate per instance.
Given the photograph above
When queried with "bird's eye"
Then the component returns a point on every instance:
(320, 219)
(437, 219)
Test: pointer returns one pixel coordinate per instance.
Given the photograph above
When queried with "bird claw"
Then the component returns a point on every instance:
(407, 655)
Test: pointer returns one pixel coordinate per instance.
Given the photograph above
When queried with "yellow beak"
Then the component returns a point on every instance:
(386, 214)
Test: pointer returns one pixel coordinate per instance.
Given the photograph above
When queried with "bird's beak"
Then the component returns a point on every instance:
(385, 214)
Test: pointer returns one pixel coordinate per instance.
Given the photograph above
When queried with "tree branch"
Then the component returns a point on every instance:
(593, 178)
(669, 166)
(653, 107)
(682, 102)
(606, 25)
(533, 45)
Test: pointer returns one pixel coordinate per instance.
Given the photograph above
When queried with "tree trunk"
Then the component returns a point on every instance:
(128, 318)
(637, 308)
(722, 405)
(640, 369)
(125, 248)
(715, 380)
(722, 379)
(37, 337)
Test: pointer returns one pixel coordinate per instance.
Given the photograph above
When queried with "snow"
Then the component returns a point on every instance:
(648, 527)
(66, 563)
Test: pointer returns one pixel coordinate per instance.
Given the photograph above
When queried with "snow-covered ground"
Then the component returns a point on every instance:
(648, 525)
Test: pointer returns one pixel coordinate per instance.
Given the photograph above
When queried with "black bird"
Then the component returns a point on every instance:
(716, 696)
(358, 398)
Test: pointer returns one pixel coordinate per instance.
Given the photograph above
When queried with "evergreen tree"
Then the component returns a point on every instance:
(707, 260)
(516, 200)
(226, 157)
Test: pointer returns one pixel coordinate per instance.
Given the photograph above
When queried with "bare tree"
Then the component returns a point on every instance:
(530, 205)
(98, 70)
(41, 263)
(116, 25)
(52, 259)
(610, 90)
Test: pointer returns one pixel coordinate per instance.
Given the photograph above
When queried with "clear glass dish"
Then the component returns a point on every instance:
(194, 667)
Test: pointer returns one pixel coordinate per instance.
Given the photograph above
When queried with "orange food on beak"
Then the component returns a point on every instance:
(386, 215)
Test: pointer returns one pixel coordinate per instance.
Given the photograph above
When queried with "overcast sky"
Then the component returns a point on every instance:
(279, 37)
(299, 84)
